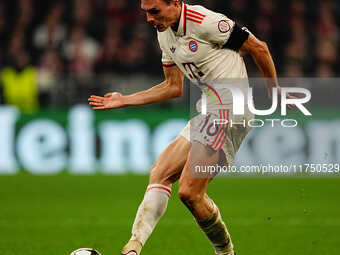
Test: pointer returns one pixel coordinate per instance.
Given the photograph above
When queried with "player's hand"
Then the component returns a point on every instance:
(291, 106)
(109, 101)
(288, 96)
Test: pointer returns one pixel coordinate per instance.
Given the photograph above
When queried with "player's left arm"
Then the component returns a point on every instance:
(260, 52)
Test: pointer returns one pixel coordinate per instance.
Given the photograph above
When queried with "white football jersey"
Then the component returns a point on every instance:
(197, 49)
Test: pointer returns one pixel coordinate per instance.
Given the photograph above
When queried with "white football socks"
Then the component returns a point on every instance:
(150, 211)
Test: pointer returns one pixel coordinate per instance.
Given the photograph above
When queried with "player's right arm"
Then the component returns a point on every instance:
(172, 87)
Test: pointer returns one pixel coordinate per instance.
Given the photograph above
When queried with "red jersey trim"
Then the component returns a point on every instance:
(194, 16)
(197, 13)
(194, 20)
(225, 134)
(215, 92)
(185, 20)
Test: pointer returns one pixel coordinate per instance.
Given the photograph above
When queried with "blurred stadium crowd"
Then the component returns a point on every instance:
(81, 46)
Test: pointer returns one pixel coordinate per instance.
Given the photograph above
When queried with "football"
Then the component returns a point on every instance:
(85, 251)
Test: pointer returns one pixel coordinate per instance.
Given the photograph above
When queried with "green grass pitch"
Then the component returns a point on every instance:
(53, 215)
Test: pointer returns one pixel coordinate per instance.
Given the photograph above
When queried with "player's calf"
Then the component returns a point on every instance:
(217, 232)
(209, 219)
(195, 202)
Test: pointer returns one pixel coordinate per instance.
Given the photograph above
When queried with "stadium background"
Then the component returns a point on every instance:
(95, 46)
(54, 54)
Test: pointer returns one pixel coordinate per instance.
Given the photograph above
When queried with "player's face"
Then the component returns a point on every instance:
(160, 14)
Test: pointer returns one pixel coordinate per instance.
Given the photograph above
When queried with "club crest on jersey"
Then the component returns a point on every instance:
(193, 46)
(223, 26)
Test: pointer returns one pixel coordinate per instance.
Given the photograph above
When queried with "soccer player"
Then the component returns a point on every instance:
(203, 46)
